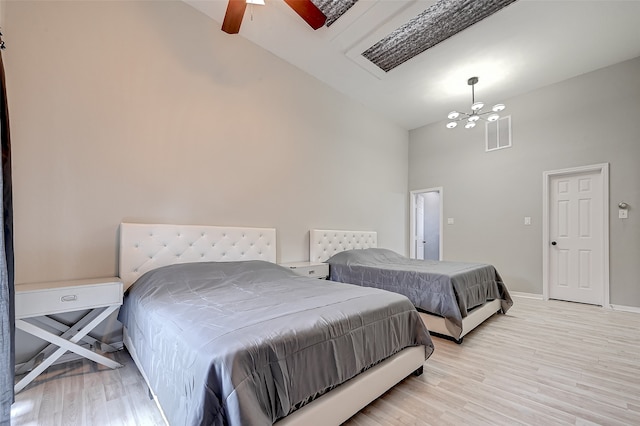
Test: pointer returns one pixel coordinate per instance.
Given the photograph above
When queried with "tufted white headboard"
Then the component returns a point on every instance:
(325, 243)
(144, 247)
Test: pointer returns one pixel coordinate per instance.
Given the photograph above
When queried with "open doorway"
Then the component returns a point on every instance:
(426, 224)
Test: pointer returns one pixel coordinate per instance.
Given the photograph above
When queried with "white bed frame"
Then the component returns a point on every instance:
(144, 247)
(325, 243)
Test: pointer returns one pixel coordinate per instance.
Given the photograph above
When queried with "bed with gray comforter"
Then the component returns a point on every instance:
(246, 343)
(446, 289)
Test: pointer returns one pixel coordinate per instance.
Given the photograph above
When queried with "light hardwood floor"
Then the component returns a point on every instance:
(544, 363)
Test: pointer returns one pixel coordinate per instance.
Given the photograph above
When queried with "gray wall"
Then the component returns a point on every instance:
(147, 111)
(590, 119)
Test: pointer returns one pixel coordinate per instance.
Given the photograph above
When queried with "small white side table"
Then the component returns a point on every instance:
(33, 302)
(309, 269)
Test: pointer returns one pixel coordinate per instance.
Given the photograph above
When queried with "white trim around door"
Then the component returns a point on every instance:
(603, 171)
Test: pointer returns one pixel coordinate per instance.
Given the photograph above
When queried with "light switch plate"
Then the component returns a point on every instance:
(623, 214)
(449, 221)
(527, 220)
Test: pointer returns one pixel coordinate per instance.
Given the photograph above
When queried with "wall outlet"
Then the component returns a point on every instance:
(449, 221)
(623, 214)
(527, 220)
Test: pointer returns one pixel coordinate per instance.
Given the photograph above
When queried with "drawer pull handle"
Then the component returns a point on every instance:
(312, 272)
(69, 298)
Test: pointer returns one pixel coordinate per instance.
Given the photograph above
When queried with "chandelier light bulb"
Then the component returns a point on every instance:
(474, 117)
(493, 117)
(451, 124)
(470, 125)
(477, 106)
(453, 115)
(498, 107)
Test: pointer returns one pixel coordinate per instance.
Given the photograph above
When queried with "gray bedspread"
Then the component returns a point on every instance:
(246, 343)
(447, 289)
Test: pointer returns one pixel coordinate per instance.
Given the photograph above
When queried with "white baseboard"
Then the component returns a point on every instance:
(526, 295)
(620, 308)
(623, 308)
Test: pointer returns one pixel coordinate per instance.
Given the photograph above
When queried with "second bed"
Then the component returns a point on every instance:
(453, 297)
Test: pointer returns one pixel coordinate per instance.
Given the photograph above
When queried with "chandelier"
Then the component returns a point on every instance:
(476, 111)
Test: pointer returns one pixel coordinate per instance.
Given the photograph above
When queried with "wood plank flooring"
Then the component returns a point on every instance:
(544, 363)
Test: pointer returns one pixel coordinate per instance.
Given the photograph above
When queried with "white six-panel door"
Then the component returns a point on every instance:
(576, 237)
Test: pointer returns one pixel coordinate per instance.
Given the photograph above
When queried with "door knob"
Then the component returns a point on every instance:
(553, 243)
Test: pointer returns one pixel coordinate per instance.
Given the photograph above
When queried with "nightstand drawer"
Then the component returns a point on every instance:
(309, 269)
(66, 297)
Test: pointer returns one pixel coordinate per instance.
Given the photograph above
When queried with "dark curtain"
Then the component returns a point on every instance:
(7, 314)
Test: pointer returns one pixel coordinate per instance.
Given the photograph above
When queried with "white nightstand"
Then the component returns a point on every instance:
(35, 301)
(309, 269)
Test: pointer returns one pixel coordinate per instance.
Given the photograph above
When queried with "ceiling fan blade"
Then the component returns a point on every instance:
(233, 17)
(309, 12)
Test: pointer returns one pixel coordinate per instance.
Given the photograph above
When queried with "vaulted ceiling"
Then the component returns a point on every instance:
(518, 47)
